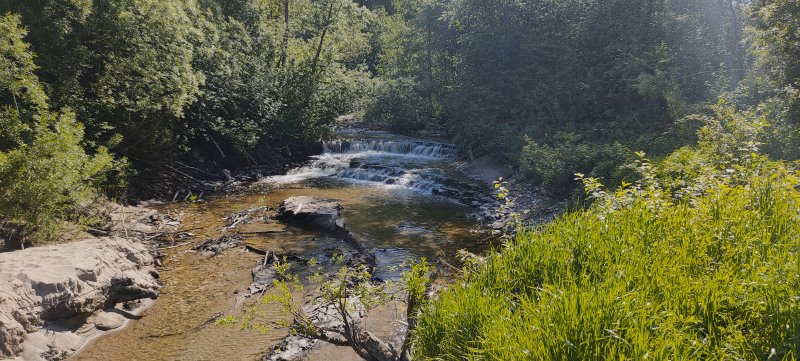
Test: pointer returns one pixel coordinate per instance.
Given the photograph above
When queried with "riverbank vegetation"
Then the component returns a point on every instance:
(694, 254)
(233, 82)
(178, 90)
(559, 87)
(45, 174)
(127, 98)
(698, 259)
(689, 253)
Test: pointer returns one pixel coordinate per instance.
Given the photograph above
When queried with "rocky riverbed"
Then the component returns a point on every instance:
(402, 198)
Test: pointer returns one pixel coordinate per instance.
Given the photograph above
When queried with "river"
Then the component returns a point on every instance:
(387, 185)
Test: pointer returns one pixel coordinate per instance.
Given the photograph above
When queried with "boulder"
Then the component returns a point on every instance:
(321, 213)
(227, 174)
(318, 213)
(50, 296)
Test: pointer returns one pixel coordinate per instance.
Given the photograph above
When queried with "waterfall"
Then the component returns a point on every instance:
(376, 162)
(412, 148)
(425, 180)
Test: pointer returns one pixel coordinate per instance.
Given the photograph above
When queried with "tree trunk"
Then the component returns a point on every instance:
(282, 60)
(328, 22)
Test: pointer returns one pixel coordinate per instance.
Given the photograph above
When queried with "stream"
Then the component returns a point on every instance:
(390, 188)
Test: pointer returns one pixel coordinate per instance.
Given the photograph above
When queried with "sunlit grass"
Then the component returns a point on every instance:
(714, 277)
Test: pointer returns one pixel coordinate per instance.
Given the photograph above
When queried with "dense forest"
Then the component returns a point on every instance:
(692, 105)
(135, 89)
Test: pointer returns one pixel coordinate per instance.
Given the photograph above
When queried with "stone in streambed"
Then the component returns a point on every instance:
(106, 321)
(320, 213)
(218, 245)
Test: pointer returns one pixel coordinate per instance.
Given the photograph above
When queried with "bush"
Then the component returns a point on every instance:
(45, 174)
(554, 166)
(45, 181)
(706, 268)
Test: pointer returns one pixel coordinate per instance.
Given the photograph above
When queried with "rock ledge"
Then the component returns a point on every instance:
(52, 298)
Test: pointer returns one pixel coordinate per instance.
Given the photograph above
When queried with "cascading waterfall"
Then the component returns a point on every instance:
(392, 163)
(408, 148)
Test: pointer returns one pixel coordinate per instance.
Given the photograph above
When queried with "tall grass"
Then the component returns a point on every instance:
(712, 276)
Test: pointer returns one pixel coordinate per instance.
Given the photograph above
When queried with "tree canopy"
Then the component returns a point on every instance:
(553, 87)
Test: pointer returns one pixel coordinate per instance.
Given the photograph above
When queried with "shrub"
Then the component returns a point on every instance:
(45, 181)
(45, 174)
(555, 165)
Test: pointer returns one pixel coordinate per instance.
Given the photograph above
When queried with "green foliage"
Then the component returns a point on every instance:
(229, 81)
(775, 39)
(55, 29)
(554, 165)
(44, 182)
(209, 83)
(145, 77)
(339, 304)
(417, 280)
(125, 67)
(698, 259)
(515, 77)
(729, 142)
(259, 90)
(397, 106)
(772, 82)
(45, 175)
(347, 292)
(237, 100)
(414, 71)
(21, 95)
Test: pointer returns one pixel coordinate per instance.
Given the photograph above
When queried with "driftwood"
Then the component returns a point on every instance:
(209, 322)
(331, 318)
(263, 232)
(252, 249)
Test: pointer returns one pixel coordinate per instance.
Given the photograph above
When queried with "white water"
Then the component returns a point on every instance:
(408, 164)
(406, 148)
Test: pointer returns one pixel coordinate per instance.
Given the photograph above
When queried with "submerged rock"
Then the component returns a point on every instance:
(265, 273)
(51, 298)
(218, 245)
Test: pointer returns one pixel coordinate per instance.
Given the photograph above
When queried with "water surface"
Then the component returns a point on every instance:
(386, 186)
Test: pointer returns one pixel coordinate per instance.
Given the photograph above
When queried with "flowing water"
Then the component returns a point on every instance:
(386, 185)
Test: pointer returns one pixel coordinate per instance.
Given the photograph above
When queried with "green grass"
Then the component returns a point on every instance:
(714, 277)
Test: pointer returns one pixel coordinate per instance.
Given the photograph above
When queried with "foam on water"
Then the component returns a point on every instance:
(406, 148)
(389, 163)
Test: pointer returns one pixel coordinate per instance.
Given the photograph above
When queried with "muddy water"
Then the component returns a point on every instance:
(398, 222)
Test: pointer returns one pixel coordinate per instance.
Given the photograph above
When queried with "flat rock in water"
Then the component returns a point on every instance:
(321, 213)
(51, 297)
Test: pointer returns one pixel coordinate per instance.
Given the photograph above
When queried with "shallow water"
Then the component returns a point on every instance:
(399, 221)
